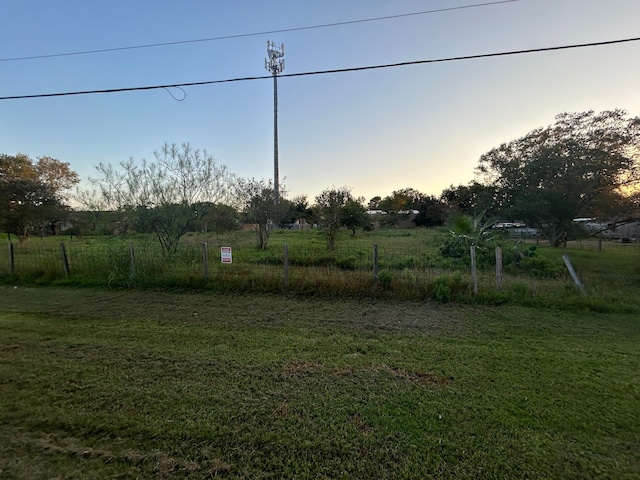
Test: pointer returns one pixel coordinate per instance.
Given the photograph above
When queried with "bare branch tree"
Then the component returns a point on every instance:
(166, 196)
(257, 199)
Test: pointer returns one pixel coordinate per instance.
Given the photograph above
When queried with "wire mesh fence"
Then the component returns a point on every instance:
(403, 264)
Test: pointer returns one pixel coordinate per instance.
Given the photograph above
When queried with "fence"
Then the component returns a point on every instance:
(408, 265)
(120, 263)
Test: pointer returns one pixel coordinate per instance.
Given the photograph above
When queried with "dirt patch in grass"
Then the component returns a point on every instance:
(424, 378)
(158, 463)
(424, 318)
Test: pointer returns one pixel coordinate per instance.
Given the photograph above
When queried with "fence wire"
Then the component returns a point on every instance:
(408, 264)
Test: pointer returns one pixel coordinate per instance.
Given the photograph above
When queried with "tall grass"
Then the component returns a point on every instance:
(410, 266)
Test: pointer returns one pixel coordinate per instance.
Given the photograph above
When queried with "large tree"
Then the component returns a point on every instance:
(57, 175)
(472, 199)
(580, 166)
(167, 196)
(33, 193)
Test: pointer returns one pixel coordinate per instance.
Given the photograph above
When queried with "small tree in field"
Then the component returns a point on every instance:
(329, 208)
(354, 215)
(166, 196)
(257, 200)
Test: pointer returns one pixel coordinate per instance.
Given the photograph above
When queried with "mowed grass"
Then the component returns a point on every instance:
(152, 384)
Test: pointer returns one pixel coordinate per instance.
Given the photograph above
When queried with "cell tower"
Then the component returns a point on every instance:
(275, 64)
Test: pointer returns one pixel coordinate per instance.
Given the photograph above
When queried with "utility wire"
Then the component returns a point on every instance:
(255, 34)
(339, 70)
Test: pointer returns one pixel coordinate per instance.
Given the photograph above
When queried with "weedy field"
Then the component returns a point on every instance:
(101, 383)
(410, 265)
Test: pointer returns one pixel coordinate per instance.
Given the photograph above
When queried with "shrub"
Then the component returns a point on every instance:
(385, 279)
(542, 267)
(441, 290)
(447, 288)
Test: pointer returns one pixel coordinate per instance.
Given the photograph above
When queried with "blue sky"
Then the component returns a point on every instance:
(421, 126)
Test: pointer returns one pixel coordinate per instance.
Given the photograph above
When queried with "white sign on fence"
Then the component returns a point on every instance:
(225, 254)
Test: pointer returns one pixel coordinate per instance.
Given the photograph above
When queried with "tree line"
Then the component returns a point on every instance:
(583, 165)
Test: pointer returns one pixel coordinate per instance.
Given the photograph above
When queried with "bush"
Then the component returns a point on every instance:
(542, 267)
(385, 279)
(447, 288)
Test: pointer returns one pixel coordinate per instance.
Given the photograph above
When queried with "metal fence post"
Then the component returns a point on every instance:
(65, 259)
(572, 272)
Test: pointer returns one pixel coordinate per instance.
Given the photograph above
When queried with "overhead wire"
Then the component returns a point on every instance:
(324, 72)
(255, 34)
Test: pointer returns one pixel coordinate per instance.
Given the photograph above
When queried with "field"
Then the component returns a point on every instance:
(99, 383)
(410, 266)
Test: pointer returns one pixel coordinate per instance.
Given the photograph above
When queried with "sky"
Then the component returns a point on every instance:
(420, 126)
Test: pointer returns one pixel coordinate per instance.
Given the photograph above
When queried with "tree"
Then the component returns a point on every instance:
(374, 203)
(354, 215)
(400, 203)
(295, 209)
(578, 167)
(258, 201)
(17, 166)
(27, 204)
(167, 196)
(32, 194)
(329, 207)
(470, 199)
(216, 217)
(401, 200)
(431, 212)
(57, 175)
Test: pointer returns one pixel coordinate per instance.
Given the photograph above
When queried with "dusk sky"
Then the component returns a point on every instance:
(422, 126)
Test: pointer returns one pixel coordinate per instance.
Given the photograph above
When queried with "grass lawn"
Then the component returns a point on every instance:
(153, 384)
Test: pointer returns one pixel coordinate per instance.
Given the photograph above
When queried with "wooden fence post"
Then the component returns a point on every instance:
(12, 263)
(498, 268)
(375, 264)
(474, 273)
(132, 256)
(286, 265)
(65, 259)
(205, 261)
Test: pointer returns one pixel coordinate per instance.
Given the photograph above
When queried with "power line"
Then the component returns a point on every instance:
(323, 72)
(255, 34)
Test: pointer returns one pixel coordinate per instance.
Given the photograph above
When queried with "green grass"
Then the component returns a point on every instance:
(153, 384)
(410, 267)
